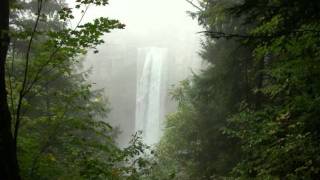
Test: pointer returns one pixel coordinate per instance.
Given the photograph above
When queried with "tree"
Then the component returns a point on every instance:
(279, 133)
(194, 145)
(8, 163)
(62, 46)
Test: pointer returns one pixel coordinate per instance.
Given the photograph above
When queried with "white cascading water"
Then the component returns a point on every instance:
(149, 96)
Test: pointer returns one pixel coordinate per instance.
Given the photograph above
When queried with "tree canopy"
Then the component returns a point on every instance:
(252, 113)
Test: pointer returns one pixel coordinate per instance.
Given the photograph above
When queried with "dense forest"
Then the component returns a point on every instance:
(251, 113)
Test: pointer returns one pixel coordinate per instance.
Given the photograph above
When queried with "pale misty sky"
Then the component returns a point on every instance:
(152, 21)
(149, 23)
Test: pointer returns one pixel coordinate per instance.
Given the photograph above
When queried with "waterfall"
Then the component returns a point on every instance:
(149, 99)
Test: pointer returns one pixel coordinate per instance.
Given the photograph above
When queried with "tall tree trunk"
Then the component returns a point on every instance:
(9, 169)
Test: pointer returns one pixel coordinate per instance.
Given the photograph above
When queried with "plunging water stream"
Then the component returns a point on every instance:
(138, 65)
(149, 98)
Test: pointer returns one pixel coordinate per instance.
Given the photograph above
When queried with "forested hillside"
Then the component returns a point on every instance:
(51, 120)
(253, 112)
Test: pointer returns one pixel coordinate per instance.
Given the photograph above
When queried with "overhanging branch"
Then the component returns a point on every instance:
(218, 35)
(194, 5)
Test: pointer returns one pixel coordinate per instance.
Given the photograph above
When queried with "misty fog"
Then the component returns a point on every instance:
(159, 89)
(118, 67)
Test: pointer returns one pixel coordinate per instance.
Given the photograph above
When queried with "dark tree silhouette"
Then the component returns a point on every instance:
(8, 158)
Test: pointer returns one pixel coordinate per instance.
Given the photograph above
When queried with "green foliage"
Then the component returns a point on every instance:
(253, 112)
(280, 137)
(194, 145)
(62, 134)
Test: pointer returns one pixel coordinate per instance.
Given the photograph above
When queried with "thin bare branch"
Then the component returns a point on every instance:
(26, 70)
(217, 35)
(26, 87)
(194, 5)
(37, 77)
